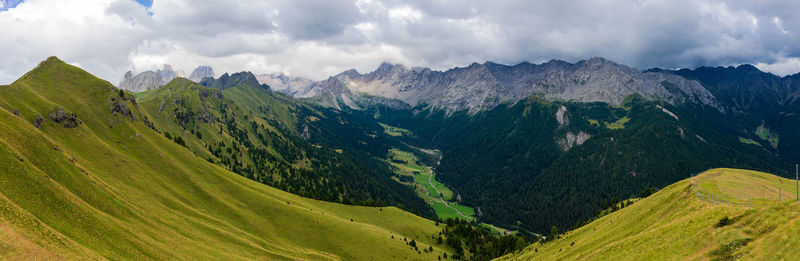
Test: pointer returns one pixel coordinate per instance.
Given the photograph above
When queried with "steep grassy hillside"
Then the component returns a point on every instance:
(675, 224)
(278, 141)
(94, 181)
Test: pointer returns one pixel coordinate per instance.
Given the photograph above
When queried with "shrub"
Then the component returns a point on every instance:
(648, 191)
(724, 222)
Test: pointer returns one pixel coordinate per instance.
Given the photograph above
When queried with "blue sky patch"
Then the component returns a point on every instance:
(8, 4)
(145, 3)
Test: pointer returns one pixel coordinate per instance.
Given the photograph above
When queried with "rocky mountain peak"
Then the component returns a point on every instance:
(201, 72)
(484, 86)
(232, 80)
(148, 80)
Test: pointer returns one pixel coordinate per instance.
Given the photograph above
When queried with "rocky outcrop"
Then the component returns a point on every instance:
(66, 119)
(148, 80)
(201, 72)
(571, 140)
(561, 116)
(484, 86)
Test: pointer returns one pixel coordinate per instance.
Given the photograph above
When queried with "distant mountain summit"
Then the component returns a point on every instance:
(285, 83)
(149, 80)
(153, 79)
(230, 80)
(484, 86)
(201, 72)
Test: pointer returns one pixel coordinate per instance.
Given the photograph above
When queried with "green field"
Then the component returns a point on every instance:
(673, 224)
(619, 124)
(764, 134)
(427, 187)
(113, 188)
(394, 131)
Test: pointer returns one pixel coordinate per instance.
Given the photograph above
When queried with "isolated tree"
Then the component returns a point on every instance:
(553, 232)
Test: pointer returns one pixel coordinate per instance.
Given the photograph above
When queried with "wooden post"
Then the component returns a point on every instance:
(796, 183)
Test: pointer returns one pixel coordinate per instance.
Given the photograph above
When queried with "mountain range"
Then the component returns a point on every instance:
(484, 86)
(533, 121)
(153, 79)
(202, 168)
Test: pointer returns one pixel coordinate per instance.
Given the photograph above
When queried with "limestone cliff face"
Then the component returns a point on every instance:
(149, 80)
(201, 72)
(484, 86)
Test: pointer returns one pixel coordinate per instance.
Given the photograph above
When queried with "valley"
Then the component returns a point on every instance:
(438, 196)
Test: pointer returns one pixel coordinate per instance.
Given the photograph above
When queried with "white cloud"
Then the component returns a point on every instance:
(405, 14)
(319, 38)
(783, 67)
(778, 23)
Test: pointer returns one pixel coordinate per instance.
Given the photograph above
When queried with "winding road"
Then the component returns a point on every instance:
(441, 199)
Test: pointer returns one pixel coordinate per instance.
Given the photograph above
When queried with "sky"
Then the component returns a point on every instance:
(316, 39)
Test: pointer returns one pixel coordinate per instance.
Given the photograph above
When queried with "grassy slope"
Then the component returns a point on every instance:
(674, 224)
(113, 188)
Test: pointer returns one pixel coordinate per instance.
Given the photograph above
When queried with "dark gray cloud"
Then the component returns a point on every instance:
(320, 38)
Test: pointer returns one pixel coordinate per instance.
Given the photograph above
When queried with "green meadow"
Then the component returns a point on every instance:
(674, 224)
(111, 187)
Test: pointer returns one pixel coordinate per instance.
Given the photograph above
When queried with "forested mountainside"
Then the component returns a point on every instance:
(279, 141)
(535, 164)
(763, 107)
(598, 131)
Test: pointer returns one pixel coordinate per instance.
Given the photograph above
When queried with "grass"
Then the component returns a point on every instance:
(764, 134)
(619, 124)
(426, 186)
(749, 141)
(115, 189)
(674, 224)
(394, 131)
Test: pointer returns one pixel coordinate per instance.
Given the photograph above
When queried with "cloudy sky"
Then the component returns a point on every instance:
(319, 38)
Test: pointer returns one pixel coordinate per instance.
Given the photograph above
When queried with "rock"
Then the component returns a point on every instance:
(149, 80)
(37, 121)
(226, 81)
(561, 116)
(484, 86)
(66, 119)
(201, 72)
(119, 106)
(571, 140)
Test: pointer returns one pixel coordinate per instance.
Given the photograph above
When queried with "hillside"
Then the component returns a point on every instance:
(675, 224)
(537, 164)
(85, 176)
(278, 141)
